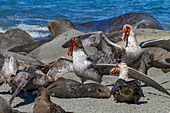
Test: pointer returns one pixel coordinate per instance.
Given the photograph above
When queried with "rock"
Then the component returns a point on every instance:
(52, 50)
(28, 47)
(14, 37)
(137, 20)
(59, 26)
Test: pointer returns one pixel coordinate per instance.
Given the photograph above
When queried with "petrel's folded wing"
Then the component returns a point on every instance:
(132, 73)
(61, 67)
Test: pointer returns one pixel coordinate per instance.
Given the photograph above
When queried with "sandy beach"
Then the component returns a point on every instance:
(153, 102)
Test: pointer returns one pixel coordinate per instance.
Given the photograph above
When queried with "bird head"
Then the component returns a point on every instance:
(42, 91)
(75, 43)
(126, 32)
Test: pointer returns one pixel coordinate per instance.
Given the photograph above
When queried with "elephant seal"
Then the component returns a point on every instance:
(43, 104)
(137, 20)
(67, 88)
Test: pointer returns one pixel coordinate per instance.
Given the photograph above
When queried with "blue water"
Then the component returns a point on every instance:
(33, 15)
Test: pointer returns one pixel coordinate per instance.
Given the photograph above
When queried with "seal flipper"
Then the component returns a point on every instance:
(19, 88)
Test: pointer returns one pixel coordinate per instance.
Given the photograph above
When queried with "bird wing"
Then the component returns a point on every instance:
(102, 43)
(54, 108)
(161, 63)
(91, 39)
(116, 49)
(23, 83)
(103, 69)
(132, 73)
(61, 67)
(156, 43)
(88, 39)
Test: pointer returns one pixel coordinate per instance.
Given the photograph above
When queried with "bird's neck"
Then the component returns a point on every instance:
(124, 73)
(132, 42)
(79, 54)
(44, 98)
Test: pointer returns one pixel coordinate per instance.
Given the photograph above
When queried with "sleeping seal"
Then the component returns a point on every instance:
(67, 88)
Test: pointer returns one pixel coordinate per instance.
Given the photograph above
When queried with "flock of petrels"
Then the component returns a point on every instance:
(130, 63)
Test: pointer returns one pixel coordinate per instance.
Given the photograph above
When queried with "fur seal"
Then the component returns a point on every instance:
(67, 88)
(59, 26)
(43, 103)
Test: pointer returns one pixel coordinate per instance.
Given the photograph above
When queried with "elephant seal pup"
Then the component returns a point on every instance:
(67, 88)
(43, 103)
(124, 91)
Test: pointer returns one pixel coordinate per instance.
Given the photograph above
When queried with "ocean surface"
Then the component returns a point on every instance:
(33, 15)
